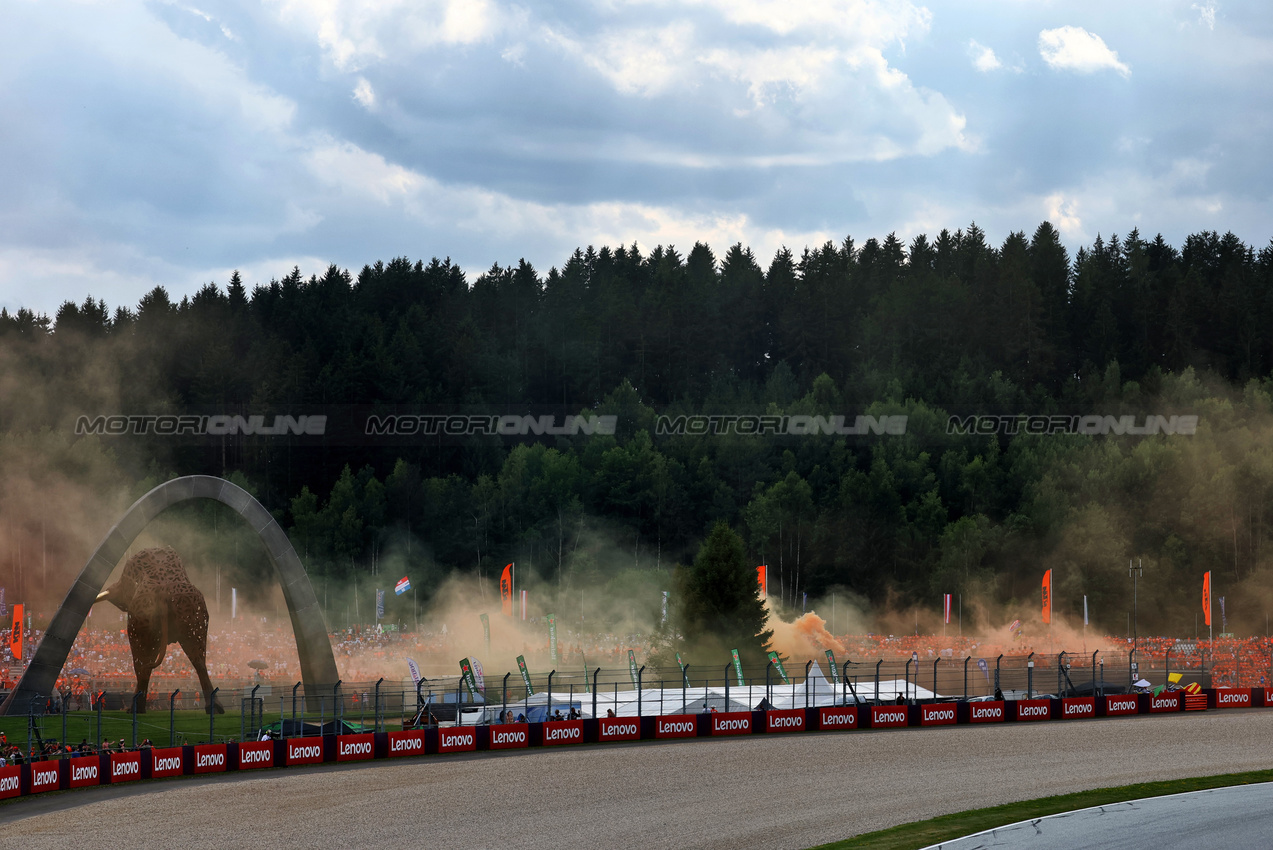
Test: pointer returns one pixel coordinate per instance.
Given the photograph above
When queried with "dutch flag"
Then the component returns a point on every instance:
(402, 586)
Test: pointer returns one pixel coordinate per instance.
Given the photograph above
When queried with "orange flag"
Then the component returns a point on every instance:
(762, 578)
(15, 634)
(1047, 597)
(506, 591)
(1206, 598)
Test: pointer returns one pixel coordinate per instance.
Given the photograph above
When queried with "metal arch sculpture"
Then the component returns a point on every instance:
(318, 665)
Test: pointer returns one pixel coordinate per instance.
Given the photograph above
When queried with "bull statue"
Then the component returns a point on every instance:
(163, 608)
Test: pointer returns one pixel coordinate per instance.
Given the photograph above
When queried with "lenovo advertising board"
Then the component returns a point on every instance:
(457, 739)
(889, 716)
(10, 782)
(676, 726)
(1166, 701)
(937, 714)
(991, 711)
(731, 723)
(355, 747)
(409, 743)
(510, 736)
(1078, 708)
(125, 767)
(618, 729)
(785, 720)
(1033, 709)
(562, 732)
(168, 762)
(838, 717)
(304, 751)
(86, 770)
(254, 754)
(1233, 698)
(209, 758)
(44, 776)
(1119, 705)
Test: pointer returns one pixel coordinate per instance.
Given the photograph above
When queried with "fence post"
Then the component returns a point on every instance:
(907, 674)
(64, 701)
(1060, 662)
(338, 708)
(1094, 652)
(1167, 674)
(640, 673)
(967, 658)
(294, 687)
(729, 665)
(252, 696)
(98, 741)
(212, 716)
(376, 715)
(935, 662)
(595, 673)
(685, 685)
(30, 724)
(1029, 676)
(998, 661)
(768, 672)
(877, 680)
(172, 718)
(503, 705)
(807, 666)
(135, 695)
(548, 712)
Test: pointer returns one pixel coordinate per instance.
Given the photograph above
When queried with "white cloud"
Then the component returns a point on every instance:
(1206, 14)
(365, 94)
(1063, 212)
(643, 62)
(1076, 49)
(983, 58)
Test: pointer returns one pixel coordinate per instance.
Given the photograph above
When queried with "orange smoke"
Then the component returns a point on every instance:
(804, 639)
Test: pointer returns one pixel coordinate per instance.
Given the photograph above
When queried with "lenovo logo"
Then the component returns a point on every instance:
(453, 740)
(10, 783)
(359, 748)
(1077, 709)
(256, 756)
(508, 738)
(669, 727)
(890, 717)
(1122, 705)
(838, 719)
(739, 724)
(1032, 711)
(81, 773)
(210, 760)
(1165, 704)
(786, 722)
(1233, 698)
(44, 777)
(310, 751)
(570, 733)
(414, 744)
(982, 712)
(938, 715)
(125, 768)
(166, 764)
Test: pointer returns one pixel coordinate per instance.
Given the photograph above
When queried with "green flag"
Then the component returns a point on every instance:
(521, 665)
(680, 662)
(738, 668)
(552, 638)
(777, 663)
(835, 671)
(466, 668)
(486, 630)
(632, 668)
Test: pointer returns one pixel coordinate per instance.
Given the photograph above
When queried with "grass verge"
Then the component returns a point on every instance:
(910, 836)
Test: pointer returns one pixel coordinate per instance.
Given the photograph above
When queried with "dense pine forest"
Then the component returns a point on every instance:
(939, 326)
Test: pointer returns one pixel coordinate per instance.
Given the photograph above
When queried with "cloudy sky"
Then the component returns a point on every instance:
(148, 143)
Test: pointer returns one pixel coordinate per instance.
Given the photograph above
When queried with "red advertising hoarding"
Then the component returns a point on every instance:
(1078, 708)
(125, 767)
(838, 717)
(785, 720)
(254, 754)
(1118, 705)
(457, 739)
(618, 729)
(1166, 701)
(676, 726)
(409, 743)
(560, 732)
(10, 782)
(209, 758)
(355, 747)
(1233, 697)
(937, 714)
(170, 761)
(991, 711)
(1034, 709)
(510, 736)
(304, 750)
(889, 716)
(86, 770)
(44, 776)
(731, 723)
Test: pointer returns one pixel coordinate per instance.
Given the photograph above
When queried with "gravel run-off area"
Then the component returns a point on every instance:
(762, 791)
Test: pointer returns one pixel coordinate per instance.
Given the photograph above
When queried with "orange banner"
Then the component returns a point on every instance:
(15, 634)
(1206, 598)
(762, 578)
(506, 591)
(1047, 597)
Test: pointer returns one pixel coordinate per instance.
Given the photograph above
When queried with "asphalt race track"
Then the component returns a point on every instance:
(1238, 816)
(763, 791)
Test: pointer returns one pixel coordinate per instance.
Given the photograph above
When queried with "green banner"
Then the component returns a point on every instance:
(632, 668)
(466, 668)
(738, 668)
(587, 685)
(680, 662)
(552, 638)
(835, 671)
(486, 630)
(777, 663)
(521, 666)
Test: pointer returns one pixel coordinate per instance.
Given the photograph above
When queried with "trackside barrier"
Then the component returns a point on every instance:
(160, 763)
(1119, 705)
(731, 723)
(841, 717)
(1230, 698)
(1078, 708)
